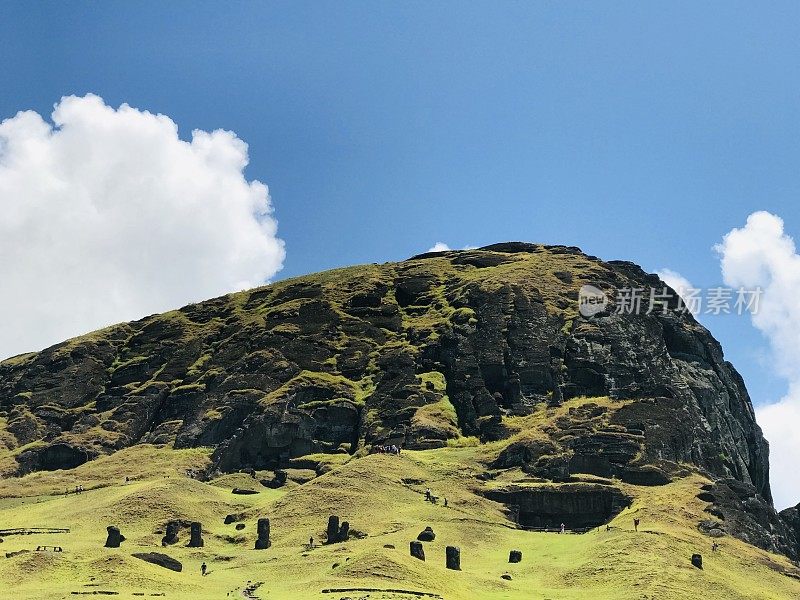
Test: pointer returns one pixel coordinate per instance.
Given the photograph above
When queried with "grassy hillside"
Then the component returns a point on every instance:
(383, 497)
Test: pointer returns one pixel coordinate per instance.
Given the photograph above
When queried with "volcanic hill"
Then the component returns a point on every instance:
(477, 364)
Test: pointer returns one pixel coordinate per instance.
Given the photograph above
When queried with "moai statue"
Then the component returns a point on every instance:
(333, 529)
(196, 539)
(417, 550)
(171, 537)
(344, 532)
(697, 560)
(515, 556)
(453, 558)
(115, 538)
(263, 542)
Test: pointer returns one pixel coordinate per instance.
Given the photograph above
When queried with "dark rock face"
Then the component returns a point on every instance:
(743, 513)
(263, 542)
(577, 506)
(417, 551)
(411, 354)
(196, 536)
(115, 538)
(453, 558)
(791, 517)
(171, 536)
(162, 560)
(61, 456)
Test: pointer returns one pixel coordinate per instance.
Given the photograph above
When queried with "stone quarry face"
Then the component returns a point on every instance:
(356, 358)
(577, 506)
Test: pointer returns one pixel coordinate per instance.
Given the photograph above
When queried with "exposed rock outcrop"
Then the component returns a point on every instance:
(412, 354)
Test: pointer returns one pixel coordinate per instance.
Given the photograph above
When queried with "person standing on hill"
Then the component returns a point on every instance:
(203, 569)
(636, 524)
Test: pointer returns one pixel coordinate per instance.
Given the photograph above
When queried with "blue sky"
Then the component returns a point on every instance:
(634, 130)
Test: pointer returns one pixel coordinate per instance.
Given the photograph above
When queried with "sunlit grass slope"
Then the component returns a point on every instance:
(381, 496)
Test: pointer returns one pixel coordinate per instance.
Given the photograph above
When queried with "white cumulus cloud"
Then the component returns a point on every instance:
(761, 254)
(107, 215)
(442, 247)
(682, 286)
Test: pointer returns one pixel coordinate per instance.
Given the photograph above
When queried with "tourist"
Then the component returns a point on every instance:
(562, 528)
(203, 569)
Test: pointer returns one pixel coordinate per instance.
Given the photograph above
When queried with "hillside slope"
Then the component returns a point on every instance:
(476, 362)
(382, 496)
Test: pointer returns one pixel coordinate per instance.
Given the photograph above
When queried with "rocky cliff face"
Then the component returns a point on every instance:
(436, 348)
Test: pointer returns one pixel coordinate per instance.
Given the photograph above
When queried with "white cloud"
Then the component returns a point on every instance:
(681, 285)
(760, 254)
(107, 215)
(442, 247)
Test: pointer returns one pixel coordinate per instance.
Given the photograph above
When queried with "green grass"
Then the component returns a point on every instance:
(375, 495)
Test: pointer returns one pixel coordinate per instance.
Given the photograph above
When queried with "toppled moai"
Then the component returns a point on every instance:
(427, 535)
(115, 537)
(263, 542)
(196, 536)
(171, 536)
(417, 550)
(453, 558)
